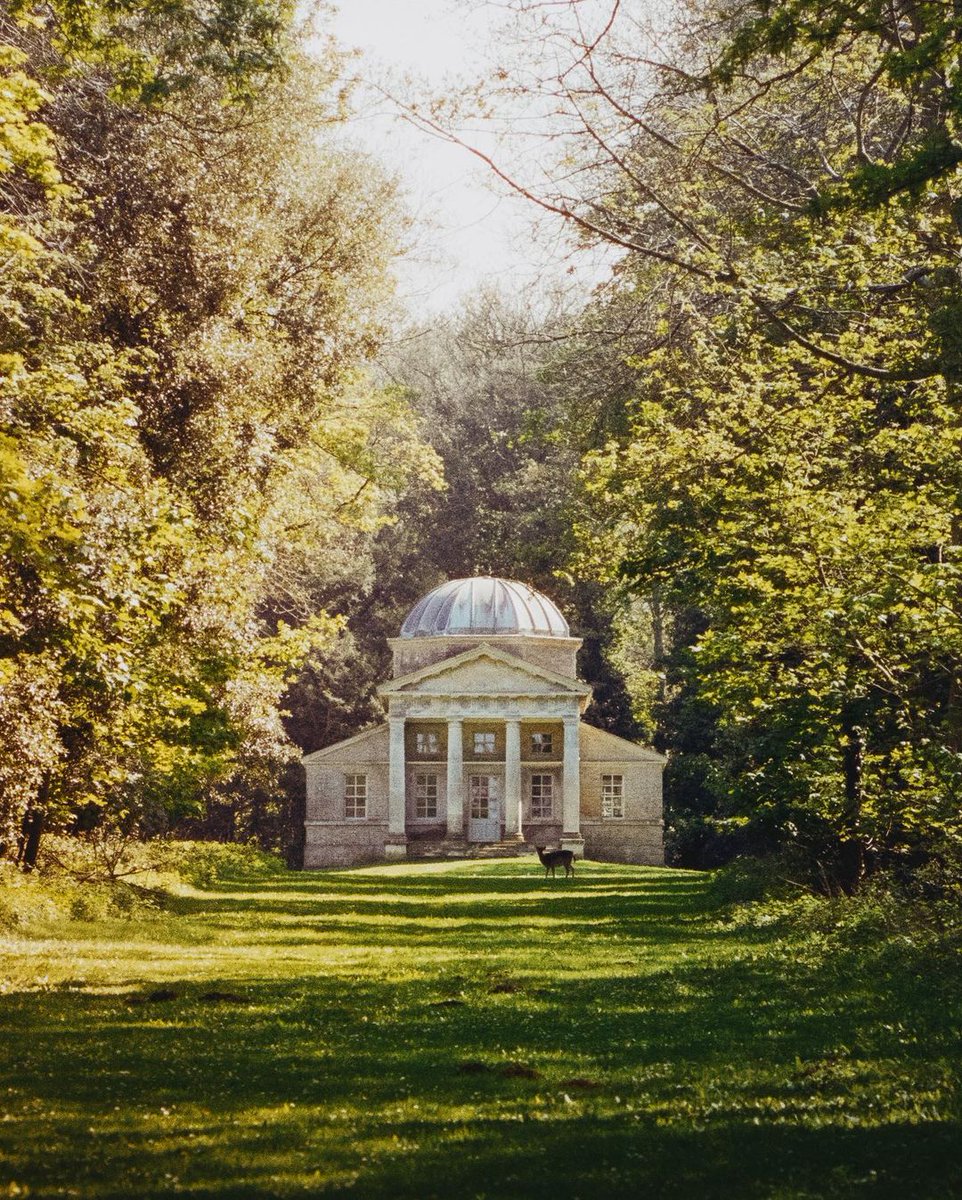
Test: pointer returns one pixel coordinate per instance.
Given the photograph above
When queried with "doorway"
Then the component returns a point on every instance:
(484, 814)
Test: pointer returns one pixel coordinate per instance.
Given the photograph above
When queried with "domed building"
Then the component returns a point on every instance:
(484, 749)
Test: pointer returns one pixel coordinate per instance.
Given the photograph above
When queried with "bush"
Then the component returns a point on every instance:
(205, 864)
(745, 880)
(79, 879)
(52, 896)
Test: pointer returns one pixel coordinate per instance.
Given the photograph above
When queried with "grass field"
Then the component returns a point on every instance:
(470, 1030)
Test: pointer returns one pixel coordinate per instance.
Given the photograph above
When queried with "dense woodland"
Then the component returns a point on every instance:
(230, 464)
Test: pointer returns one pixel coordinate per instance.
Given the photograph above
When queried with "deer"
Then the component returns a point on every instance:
(556, 858)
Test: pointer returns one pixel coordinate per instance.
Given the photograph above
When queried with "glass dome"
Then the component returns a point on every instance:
(484, 605)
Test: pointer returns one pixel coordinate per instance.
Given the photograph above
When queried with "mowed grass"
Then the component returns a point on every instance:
(469, 1029)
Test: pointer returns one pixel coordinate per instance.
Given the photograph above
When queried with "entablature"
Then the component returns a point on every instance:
(538, 707)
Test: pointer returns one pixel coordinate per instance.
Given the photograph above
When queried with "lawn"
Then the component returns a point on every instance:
(472, 1030)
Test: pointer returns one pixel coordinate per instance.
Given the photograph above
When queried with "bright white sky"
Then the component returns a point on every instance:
(468, 231)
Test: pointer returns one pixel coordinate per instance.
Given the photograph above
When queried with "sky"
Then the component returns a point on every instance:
(469, 232)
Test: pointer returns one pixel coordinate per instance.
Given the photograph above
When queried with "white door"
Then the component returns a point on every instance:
(484, 814)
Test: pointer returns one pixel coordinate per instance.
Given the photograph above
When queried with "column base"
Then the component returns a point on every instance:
(573, 842)
(396, 849)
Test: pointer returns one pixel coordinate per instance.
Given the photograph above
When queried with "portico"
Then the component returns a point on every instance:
(518, 719)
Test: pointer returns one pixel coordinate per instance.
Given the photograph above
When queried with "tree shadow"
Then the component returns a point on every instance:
(486, 1065)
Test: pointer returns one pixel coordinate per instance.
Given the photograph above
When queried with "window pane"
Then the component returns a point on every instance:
(480, 797)
(484, 743)
(426, 742)
(612, 796)
(540, 743)
(355, 796)
(426, 795)
(542, 795)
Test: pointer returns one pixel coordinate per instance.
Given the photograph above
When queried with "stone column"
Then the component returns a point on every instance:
(455, 805)
(571, 787)
(512, 779)
(396, 844)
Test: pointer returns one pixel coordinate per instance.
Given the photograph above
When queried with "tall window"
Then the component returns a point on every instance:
(355, 797)
(542, 796)
(425, 795)
(426, 742)
(612, 796)
(484, 743)
(540, 745)
(480, 797)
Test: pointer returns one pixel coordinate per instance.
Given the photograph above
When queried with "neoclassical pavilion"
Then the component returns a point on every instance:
(484, 748)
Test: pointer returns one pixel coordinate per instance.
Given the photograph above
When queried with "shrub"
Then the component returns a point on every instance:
(204, 864)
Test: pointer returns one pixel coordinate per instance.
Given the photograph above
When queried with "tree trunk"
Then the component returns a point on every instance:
(851, 852)
(658, 639)
(32, 833)
(32, 828)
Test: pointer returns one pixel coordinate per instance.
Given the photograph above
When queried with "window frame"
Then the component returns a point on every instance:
(355, 796)
(537, 781)
(430, 738)
(543, 748)
(486, 734)
(612, 796)
(473, 795)
(419, 799)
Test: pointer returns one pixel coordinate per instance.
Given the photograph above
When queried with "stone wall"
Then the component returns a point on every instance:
(640, 842)
(344, 843)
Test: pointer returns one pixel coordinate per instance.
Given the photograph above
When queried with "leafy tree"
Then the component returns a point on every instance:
(781, 182)
(197, 280)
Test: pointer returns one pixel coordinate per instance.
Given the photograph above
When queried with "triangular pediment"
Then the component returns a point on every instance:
(484, 671)
(372, 740)
(598, 745)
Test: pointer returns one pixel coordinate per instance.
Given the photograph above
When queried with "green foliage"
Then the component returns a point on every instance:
(778, 468)
(916, 46)
(194, 282)
(207, 864)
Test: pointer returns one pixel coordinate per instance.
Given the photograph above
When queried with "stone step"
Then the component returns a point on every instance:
(461, 849)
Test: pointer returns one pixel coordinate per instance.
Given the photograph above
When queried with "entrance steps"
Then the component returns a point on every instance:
(460, 849)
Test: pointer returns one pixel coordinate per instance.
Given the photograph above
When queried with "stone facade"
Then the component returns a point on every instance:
(483, 744)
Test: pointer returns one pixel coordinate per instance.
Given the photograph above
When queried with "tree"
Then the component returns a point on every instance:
(784, 197)
(198, 282)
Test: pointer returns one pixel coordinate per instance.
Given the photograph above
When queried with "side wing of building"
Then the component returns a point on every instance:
(621, 799)
(347, 801)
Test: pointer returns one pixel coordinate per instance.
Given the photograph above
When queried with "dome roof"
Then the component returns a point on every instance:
(484, 605)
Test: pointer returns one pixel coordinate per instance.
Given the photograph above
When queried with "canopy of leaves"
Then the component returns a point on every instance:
(195, 278)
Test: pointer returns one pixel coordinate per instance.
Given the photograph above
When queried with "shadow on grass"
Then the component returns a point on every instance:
(639, 905)
(746, 1074)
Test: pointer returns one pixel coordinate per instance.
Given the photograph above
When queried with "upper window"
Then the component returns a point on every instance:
(540, 744)
(355, 797)
(425, 795)
(426, 742)
(612, 796)
(484, 743)
(542, 796)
